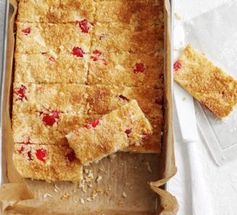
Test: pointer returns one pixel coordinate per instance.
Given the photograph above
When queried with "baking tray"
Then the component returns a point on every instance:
(45, 199)
(4, 14)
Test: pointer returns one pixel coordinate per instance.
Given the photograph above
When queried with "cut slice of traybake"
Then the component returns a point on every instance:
(210, 85)
(115, 131)
(45, 162)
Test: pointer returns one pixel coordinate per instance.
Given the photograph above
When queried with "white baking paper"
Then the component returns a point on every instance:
(215, 34)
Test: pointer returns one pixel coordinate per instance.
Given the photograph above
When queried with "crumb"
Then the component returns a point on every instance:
(148, 167)
(89, 199)
(98, 179)
(113, 156)
(82, 201)
(65, 196)
(56, 188)
(124, 195)
(94, 194)
(46, 195)
(184, 98)
(102, 170)
(177, 16)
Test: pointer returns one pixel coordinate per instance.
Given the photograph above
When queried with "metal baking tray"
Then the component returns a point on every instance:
(4, 14)
(167, 164)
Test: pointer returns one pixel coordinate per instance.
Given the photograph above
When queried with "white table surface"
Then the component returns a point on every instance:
(221, 181)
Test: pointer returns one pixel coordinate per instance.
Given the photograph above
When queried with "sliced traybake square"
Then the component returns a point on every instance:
(50, 67)
(115, 131)
(47, 162)
(209, 84)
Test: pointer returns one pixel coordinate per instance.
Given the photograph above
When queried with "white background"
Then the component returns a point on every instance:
(221, 181)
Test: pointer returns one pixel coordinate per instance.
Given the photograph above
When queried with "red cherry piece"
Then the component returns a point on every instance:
(128, 131)
(26, 31)
(21, 93)
(139, 67)
(29, 154)
(177, 65)
(78, 52)
(71, 156)
(96, 55)
(20, 150)
(93, 124)
(84, 25)
(50, 118)
(41, 154)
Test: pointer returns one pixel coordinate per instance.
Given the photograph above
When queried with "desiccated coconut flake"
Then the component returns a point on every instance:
(99, 178)
(46, 195)
(82, 201)
(148, 167)
(124, 195)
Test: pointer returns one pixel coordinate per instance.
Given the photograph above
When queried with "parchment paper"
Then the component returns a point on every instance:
(214, 33)
(125, 187)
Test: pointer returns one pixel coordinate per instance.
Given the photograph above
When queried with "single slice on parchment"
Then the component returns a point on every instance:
(115, 131)
(47, 162)
(210, 85)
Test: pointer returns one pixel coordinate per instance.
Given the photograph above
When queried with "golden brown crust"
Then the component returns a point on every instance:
(126, 69)
(45, 162)
(51, 38)
(55, 11)
(115, 131)
(54, 68)
(210, 85)
(107, 35)
(134, 13)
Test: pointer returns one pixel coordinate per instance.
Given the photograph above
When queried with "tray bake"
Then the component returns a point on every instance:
(101, 93)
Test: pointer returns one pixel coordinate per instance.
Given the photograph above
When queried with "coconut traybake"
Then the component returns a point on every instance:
(210, 85)
(74, 64)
